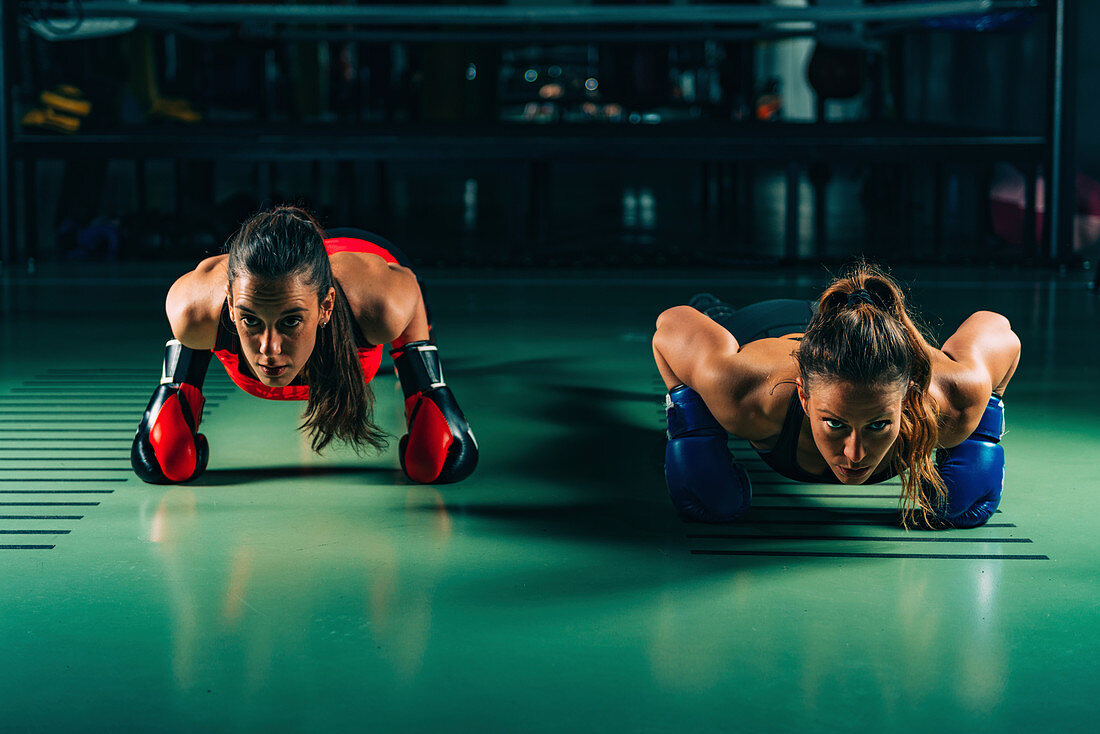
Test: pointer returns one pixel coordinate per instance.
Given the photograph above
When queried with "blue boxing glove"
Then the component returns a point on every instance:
(704, 482)
(974, 471)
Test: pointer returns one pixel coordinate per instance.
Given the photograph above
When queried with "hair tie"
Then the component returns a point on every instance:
(859, 296)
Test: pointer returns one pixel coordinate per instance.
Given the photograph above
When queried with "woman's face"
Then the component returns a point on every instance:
(277, 321)
(854, 426)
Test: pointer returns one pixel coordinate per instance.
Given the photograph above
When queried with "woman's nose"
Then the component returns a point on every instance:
(269, 343)
(853, 449)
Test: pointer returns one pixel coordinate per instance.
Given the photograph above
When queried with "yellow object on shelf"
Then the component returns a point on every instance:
(67, 99)
(176, 109)
(50, 119)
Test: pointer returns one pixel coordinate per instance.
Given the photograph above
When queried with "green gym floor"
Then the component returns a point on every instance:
(555, 590)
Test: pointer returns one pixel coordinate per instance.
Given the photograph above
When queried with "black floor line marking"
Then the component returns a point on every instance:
(26, 547)
(69, 430)
(63, 468)
(89, 388)
(95, 393)
(69, 413)
(50, 404)
(810, 554)
(880, 511)
(49, 504)
(35, 532)
(120, 378)
(110, 444)
(57, 491)
(109, 375)
(101, 371)
(59, 479)
(118, 448)
(859, 523)
(120, 440)
(884, 511)
(854, 538)
(97, 421)
(770, 483)
(94, 380)
(99, 394)
(821, 494)
(121, 457)
(62, 409)
(93, 389)
(23, 402)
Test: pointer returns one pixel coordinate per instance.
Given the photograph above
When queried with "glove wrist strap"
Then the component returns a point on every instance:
(418, 367)
(992, 425)
(184, 365)
(686, 412)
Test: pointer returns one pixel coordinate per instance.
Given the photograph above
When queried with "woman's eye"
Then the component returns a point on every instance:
(250, 322)
(879, 425)
(833, 424)
(292, 321)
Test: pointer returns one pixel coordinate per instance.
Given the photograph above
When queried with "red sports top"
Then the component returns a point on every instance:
(228, 346)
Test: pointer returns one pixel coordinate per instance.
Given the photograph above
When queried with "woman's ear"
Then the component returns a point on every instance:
(327, 304)
(229, 302)
(802, 396)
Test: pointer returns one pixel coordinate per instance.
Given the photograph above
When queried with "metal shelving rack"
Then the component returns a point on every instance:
(534, 146)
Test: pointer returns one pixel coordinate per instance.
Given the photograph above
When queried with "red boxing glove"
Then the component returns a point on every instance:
(168, 448)
(440, 447)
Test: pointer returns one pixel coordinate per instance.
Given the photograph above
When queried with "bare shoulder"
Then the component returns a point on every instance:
(360, 274)
(749, 391)
(194, 303)
(383, 296)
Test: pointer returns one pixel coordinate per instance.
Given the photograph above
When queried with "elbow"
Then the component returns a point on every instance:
(664, 327)
(670, 316)
(994, 320)
(178, 310)
(1000, 323)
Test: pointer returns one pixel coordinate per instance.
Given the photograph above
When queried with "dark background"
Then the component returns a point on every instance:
(185, 87)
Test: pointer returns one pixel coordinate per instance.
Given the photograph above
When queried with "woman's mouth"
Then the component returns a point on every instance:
(272, 371)
(853, 473)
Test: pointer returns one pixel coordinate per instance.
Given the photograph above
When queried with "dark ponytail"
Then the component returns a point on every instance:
(288, 242)
(863, 333)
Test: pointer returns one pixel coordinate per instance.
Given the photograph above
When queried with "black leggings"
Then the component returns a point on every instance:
(763, 320)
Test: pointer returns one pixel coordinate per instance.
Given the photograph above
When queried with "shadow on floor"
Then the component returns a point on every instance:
(230, 477)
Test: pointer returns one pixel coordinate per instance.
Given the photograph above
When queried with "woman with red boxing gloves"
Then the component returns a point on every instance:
(297, 313)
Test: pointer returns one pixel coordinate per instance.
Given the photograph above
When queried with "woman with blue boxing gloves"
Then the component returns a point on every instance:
(844, 390)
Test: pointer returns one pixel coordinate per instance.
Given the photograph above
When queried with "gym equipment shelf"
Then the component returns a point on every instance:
(533, 144)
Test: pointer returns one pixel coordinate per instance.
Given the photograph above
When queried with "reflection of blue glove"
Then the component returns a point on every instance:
(974, 471)
(704, 482)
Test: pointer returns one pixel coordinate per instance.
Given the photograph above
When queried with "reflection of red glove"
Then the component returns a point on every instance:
(439, 447)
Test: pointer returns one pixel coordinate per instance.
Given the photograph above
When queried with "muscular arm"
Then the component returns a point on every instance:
(194, 303)
(986, 341)
(384, 297)
(691, 349)
(978, 359)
